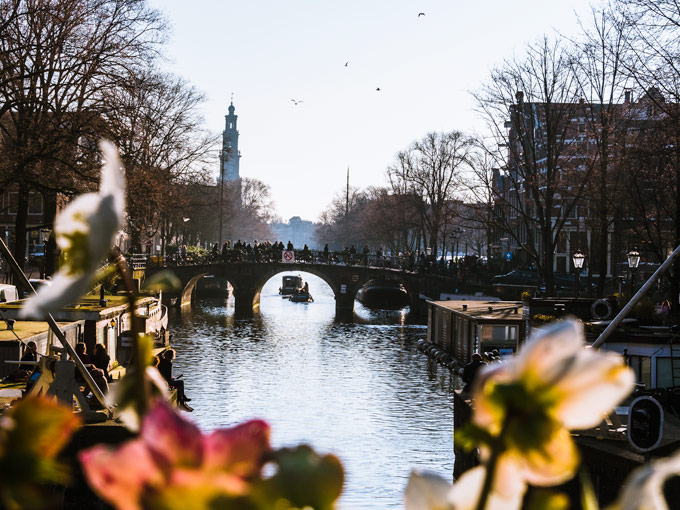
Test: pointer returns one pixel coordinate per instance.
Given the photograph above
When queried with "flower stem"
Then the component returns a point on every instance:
(490, 473)
(139, 367)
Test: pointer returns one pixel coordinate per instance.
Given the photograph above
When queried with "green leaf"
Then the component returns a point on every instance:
(304, 479)
(472, 436)
(545, 499)
(588, 498)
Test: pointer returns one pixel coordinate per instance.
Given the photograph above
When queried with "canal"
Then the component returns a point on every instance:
(361, 391)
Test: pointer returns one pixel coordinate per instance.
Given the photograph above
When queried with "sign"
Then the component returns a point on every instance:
(343, 289)
(288, 256)
(508, 256)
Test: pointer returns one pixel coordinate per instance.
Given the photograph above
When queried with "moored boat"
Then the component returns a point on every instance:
(383, 293)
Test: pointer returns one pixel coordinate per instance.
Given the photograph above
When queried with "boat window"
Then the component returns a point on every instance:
(664, 373)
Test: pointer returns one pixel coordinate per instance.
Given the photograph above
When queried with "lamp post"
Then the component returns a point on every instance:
(633, 262)
(578, 258)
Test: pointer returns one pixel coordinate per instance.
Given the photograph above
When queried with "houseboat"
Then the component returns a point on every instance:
(461, 328)
(12, 349)
(106, 322)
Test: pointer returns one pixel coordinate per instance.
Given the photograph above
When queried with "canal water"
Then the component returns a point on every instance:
(361, 391)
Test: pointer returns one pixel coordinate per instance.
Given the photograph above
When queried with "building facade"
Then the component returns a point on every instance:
(548, 197)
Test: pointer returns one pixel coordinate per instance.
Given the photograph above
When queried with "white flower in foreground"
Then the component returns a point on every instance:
(644, 488)
(523, 410)
(85, 231)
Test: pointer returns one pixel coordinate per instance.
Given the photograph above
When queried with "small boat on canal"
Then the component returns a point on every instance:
(290, 284)
(383, 293)
(301, 296)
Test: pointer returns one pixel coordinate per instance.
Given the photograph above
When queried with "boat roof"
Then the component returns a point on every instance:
(483, 311)
(26, 330)
(87, 307)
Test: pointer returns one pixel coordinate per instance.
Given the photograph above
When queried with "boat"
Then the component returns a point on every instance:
(300, 296)
(383, 293)
(290, 284)
(211, 286)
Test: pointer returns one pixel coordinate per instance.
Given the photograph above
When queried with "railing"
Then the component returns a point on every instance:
(399, 262)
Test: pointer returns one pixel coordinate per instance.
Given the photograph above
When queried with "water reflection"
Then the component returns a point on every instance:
(360, 390)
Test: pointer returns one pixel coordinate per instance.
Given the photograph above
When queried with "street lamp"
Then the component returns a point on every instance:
(578, 258)
(633, 262)
(455, 236)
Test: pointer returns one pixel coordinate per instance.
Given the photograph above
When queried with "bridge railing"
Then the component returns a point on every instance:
(301, 257)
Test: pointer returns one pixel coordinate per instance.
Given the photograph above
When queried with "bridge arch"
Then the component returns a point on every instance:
(188, 292)
(265, 276)
(412, 290)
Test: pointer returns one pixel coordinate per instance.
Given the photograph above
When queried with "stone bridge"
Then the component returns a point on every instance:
(248, 278)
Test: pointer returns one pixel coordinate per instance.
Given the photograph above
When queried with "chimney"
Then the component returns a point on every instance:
(519, 96)
(627, 96)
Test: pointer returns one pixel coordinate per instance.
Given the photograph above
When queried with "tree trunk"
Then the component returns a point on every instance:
(20, 225)
(49, 214)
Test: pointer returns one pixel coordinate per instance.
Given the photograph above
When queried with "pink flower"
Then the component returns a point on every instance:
(173, 465)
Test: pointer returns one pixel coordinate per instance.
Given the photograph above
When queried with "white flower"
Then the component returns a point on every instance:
(85, 231)
(524, 410)
(644, 488)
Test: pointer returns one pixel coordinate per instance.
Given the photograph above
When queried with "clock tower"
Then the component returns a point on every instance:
(230, 154)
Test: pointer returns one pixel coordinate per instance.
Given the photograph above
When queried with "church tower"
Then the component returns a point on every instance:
(230, 155)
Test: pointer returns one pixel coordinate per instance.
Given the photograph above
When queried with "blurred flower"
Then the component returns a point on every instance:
(85, 232)
(32, 433)
(173, 465)
(426, 491)
(644, 488)
(524, 408)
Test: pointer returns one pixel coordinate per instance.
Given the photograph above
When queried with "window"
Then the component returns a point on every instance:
(664, 373)
(35, 203)
(13, 202)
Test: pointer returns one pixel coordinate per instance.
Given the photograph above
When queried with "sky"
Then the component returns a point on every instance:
(267, 52)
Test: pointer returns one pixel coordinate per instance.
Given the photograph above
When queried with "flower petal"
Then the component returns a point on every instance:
(554, 463)
(466, 491)
(120, 476)
(239, 450)
(598, 383)
(550, 352)
(426, 491)
(644, 488)
(167, 434)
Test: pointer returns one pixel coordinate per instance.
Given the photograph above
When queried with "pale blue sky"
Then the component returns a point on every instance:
(268, 52)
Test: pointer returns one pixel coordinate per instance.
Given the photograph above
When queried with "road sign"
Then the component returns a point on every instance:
(288, 256)
(508, 256)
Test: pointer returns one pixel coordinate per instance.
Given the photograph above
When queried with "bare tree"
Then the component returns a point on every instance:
(604, 119)
(155, 121)
(528, 104)
(431, 169)
(56, 59)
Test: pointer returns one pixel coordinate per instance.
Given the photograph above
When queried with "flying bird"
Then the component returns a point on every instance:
(421, 14)
(378, 89)
(346, 63)
(297, 101)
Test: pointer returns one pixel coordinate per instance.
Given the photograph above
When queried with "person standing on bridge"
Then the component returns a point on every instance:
(325, 254)
(289, 247)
